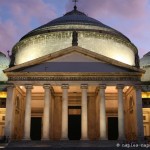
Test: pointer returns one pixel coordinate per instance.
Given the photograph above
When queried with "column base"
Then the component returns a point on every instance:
(121, 139)
(26, 139)
(64, 139)
(103, 139)
(45, 139)
(84, 139)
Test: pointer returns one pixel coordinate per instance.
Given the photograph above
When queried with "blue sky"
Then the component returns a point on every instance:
(131, 17)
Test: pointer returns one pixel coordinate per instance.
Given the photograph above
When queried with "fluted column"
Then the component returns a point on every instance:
(46, 113)
(121, 128)
(9, 111)
(64, 132)
(84, 113)
(103, 133)
(27, 122)
(139, 113)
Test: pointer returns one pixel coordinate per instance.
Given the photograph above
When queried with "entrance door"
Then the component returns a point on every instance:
(112, 128)
(74, 127)
(35, 133)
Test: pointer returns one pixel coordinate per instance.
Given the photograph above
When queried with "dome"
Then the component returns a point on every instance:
(4, 61)
(4, 64)
(145, 61)
(57, 34)
(74, 17)
(145, 64)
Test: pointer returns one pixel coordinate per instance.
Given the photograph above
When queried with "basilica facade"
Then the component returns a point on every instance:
(74, 78)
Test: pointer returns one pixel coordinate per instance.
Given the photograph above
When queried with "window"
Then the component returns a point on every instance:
(3, 118)
(2, 103)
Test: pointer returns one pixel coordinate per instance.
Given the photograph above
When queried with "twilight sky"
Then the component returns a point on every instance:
(131, 17)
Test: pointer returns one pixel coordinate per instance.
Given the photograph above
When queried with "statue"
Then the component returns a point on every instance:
(137, 60)
(75, 38)
(12, 58)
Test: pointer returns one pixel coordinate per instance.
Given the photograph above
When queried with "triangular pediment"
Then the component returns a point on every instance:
(73, 59)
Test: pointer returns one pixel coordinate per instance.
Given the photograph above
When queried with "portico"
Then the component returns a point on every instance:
(110, 91)
(89, 95)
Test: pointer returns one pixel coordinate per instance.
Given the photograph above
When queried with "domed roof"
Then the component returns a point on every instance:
(145, 61)
(74, 17)
(4, 61)
(58, 34)
(4, 64)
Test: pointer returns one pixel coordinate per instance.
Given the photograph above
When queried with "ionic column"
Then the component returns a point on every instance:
(46, 113)
(84, 113)
(27, 122)
(9, 111)
(121, 128)
(64, 132)
(139, 113)
(103, 133)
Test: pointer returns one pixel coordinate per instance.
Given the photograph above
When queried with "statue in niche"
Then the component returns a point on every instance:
(75, 38)
(137, 60)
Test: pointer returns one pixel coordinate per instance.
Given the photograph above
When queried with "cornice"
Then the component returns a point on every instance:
(68, 76)
(74, 49)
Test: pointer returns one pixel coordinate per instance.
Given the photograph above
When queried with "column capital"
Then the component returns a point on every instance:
(46, 86)
(65, 86)
(120, 86)
(84, 86)
(10, 86)
(102, 86)
(29, 86)
(137, 87)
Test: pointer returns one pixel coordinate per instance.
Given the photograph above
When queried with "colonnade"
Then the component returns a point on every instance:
(84, 112)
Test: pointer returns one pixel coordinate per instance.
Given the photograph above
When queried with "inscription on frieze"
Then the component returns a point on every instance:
(67, 78)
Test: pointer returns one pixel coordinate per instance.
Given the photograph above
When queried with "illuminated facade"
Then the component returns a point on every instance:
(74, 78)
(145, 65)
(4, 63)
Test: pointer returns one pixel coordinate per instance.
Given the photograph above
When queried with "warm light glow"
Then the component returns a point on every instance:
(123, 59)
(3, 95)
(145, 94)
(21, 87)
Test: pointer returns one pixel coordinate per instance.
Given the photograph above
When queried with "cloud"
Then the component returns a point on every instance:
(19, 17)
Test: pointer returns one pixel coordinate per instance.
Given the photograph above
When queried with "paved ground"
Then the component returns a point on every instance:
(75, 145)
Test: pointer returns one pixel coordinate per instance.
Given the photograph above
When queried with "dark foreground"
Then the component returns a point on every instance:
(76, 145)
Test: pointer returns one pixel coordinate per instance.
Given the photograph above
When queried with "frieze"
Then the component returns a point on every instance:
(61, 78)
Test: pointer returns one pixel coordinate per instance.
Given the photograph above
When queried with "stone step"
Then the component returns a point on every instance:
(70, 145)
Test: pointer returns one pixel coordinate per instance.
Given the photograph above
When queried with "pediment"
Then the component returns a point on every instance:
(73, 59)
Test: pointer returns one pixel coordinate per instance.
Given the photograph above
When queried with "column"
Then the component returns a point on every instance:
(27, 122)
(103, 133)
(46, 113)
(84, 113)
(139, 113)
(121, 128)
(64, 133)
(9, 111)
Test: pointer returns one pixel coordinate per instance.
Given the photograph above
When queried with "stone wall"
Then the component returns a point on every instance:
(130, 115)
(19, 106)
